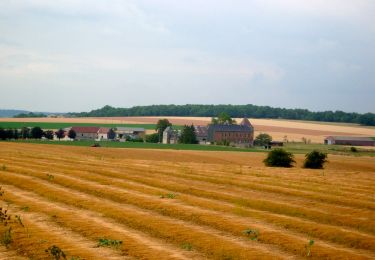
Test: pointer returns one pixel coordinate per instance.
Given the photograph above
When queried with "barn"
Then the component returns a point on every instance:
(241, 135)
(350, 140)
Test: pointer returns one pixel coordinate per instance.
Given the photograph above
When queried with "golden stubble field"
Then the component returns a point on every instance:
(279, 129)
(183, 204)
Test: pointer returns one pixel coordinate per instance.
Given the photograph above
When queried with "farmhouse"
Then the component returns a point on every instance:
(170, 136)
(132, 132)
(350, 140)
(242, 134)
(103, 133)
(86, 132)
(201, 134)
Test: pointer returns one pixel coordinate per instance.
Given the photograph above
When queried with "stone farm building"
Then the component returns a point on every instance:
(350, 140)
(201, 133)
(86, 132)
(132, 132)
(241, 135)
(170, 136)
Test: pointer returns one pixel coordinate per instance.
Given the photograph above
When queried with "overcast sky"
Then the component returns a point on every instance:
(78, 55)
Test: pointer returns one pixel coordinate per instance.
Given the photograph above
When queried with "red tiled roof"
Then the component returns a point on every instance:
(103, 130)
(86, 129)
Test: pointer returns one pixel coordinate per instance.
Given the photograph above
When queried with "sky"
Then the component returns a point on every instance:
(78, 55)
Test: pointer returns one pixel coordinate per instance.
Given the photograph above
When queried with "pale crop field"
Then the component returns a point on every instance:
(102, 203)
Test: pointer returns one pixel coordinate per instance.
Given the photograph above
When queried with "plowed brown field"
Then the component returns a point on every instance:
(183, 204)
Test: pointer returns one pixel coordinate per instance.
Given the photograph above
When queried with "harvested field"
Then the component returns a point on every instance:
(183, 205)
(279, 129)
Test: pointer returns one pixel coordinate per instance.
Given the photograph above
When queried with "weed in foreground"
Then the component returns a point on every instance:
(308, 247)
(168, 196)
(55, 252)
(50, 177)
(105, 242)
(1, 191)
(187, 246)
(7, 237)
(25, 208)
(4, 167)
(251, 233)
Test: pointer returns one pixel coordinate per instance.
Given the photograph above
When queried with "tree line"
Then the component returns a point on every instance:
(34, 133)
(249, 110)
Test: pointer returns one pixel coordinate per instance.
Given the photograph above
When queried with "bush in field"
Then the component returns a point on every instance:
(279, 158)
(353, 149)
(315, 160)
(152, 138)
(56, 253)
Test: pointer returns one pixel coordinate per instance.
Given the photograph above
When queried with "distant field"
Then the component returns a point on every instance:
(291, 130)
(158, 204)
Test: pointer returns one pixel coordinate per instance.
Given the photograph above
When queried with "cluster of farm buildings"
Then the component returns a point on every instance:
(240, 135)
(234, 134)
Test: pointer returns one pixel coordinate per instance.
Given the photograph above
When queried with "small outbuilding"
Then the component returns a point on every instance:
(349, 140)
(201, 133)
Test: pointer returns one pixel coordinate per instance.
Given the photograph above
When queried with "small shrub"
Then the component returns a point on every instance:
(308, 247)
(168, 195)
(315, 160)
(279, 158)
(187, 246)
(25, 208)
(18, 217)
(50, 177)
(251, 233)
(7, 237)
(4, 167)
(1, 191)
(353, 149)
(105, 242)
(56, 252)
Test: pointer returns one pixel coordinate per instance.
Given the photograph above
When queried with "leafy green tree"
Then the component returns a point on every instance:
(3, 134)
(72, 134)
(48, 134)
(223, 119)
(60, 133)
(161, 126)
(111, 134)
(25, 132)
(188, 135)
(279, 158)
(152, 138)
(36, 132)
(262, 139)
(315, 160)
(16, 134)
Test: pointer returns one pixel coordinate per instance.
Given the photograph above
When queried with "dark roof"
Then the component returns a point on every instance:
(349, 138)
(229, 128)
(201, 131)
(103, 130)
(86, 129)
(246, 122)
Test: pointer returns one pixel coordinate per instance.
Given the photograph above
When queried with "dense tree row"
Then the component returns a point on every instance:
(234, 111)
(34, 133)
(29, 115)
